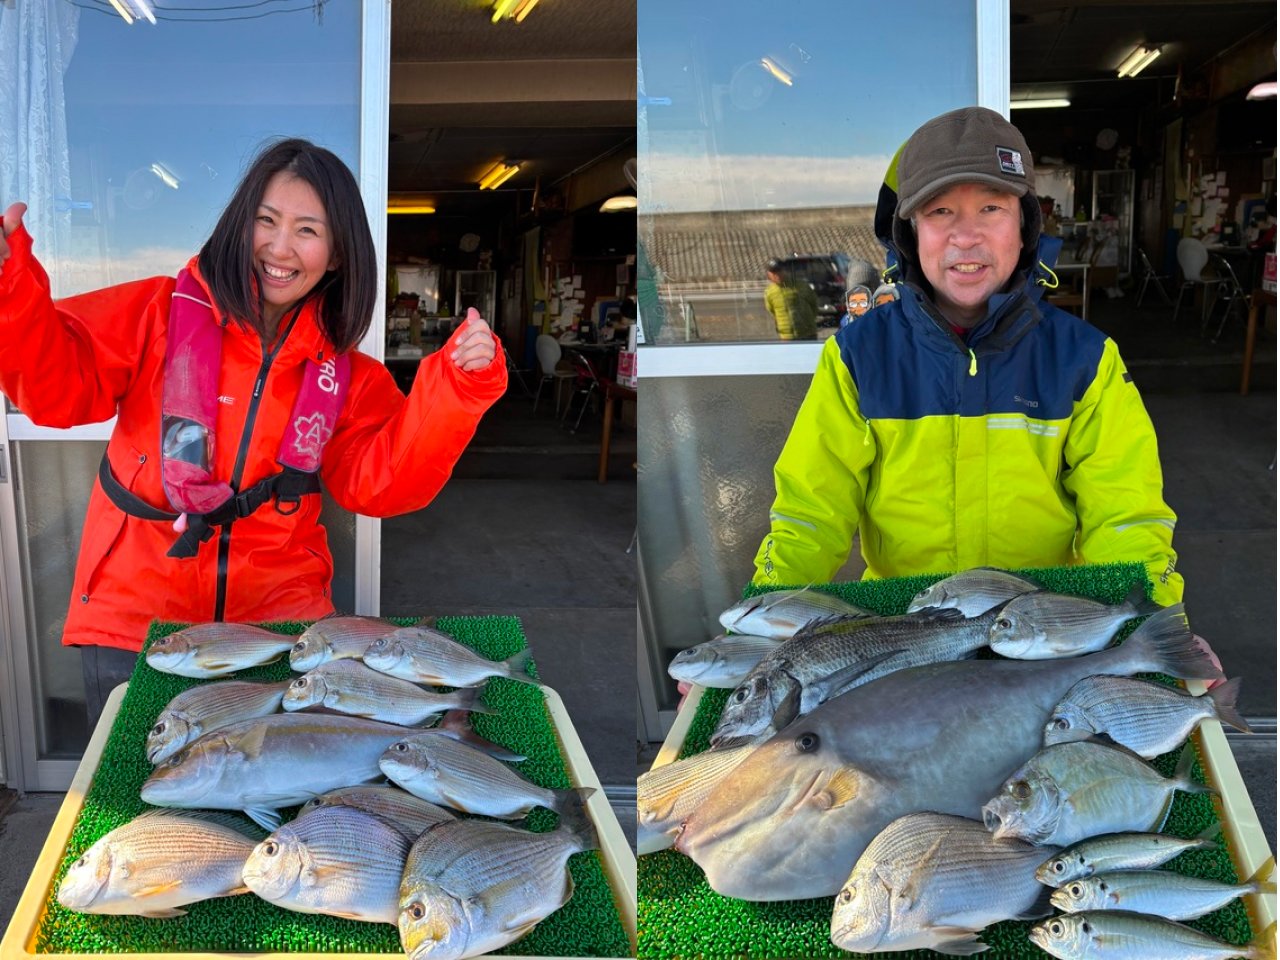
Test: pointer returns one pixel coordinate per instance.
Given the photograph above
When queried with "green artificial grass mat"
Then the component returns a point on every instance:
(588, 925)
(679, 915)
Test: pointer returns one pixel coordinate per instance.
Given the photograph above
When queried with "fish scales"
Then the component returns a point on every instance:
(668, 794)
(1155, 892)
(215, 649)
(973, 592)
(350, 687)
(778, 614)
(207, 707)
(412, 815)
(336, 638)
(424, 655)
(437, 768)
(1117, 851)
(1118, 935)
(790, 821)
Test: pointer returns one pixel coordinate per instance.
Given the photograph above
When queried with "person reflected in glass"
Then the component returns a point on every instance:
(791, 302)
(236, 388)
(857, 301)
(969, 423)
(885, 293)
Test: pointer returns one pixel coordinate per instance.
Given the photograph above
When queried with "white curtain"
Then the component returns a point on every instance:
(37, 39)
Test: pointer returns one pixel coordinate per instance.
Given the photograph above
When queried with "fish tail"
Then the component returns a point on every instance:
(1210, 836)
(469, 699)
(571, 805)
(1137, 598)
(516, 667)
(1165, 644)
(1224, 697)
(1183, 773)
(1263, 879)
(427, 622)
(1264, 948)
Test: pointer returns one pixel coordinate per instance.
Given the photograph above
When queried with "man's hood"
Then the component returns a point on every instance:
(900, 241)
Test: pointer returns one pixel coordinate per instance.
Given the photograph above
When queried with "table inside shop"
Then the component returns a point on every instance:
(614, 393)
(1067, 271)
(104, 795)
(603, 357)
(677, 907)
(1257, 301)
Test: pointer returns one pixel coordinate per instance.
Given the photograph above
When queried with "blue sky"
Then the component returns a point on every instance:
(864, 75)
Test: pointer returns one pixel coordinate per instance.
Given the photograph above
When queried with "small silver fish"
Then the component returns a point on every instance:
(721, 663)
(1117, 851)
(336, 860)
(929, 881)
(216, 649)
(780, 613)
(973, 592)
(1149, 718)
(1160, 893)
(1045, 626)
(411, 815)
(348, 686)
(336, 638)
(666, 795)
(424, 655)
(158, 862)
(1071, 791)
(207, 707)
(438, 768)
(1117, 935)
(472, 886)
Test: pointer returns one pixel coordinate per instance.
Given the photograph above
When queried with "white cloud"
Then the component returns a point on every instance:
(74, 274)
(683, 183)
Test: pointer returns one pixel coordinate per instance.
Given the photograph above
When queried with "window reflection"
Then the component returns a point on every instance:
(765, 133)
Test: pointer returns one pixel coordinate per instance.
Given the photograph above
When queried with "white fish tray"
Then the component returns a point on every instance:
(19, 938)
(1246, 842)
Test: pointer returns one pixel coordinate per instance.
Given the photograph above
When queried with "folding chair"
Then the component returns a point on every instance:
(1149, 274)
(1229, 291)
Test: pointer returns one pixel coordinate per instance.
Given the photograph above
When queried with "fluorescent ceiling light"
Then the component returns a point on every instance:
(123, 11)
(512, 9)
(145, 9)
(1039, 104)
(1261, 91)
(499, 175)
(1139, 60)
(776, 71)
(624, 201)
(401, 206)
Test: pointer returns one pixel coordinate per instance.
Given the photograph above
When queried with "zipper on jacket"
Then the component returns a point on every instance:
(224, 536)
(973, 363)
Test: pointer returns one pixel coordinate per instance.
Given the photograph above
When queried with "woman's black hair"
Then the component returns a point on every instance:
(347, 294)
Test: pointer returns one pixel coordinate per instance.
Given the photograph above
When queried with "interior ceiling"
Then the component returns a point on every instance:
(1072, 49)
(555, 93)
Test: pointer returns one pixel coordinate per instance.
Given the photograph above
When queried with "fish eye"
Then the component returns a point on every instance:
(417, 910)
(300, 646)
(1020, 789)
(158, 728)
(807, 742)
(270, 848)
(1061, 723)
(400, 746)
(79, 863)
(162, 642)
(1059, 866)
(378, 644)
(1056, 928)
(300, 683)
(739, 695)
(176, 759)
(846, 894)
(1076, 890)
(922, 594)
(1004, 623)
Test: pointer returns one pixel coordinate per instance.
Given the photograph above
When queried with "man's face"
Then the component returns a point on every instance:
(969, 239)
(858, 303)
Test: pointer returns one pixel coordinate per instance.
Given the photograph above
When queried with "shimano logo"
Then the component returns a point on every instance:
(1025, 402)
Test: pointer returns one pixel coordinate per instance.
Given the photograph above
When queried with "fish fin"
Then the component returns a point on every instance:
(216, 665)
(1165, 644)
(158, 888)
(842, 787)
(939, 614)
(456, 725)
(842, 681)
(519, 930)
(1210, 836)
(958, 942)
(264, 817)
(1040, 908)
(571, 805)
(909, 886)
(1183, 773)
(1224, 697)
(1137, 599)
(516, 667)
(1262, 880)
(428, 622)
(469, 700)
(249, 742)
(163, 914)
(1264, 948)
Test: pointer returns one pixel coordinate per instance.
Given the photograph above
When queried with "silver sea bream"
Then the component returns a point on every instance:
(348, 686)
(209, 650)
(207, 707)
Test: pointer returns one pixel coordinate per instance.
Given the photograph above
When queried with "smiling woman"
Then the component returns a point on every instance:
(242, 365)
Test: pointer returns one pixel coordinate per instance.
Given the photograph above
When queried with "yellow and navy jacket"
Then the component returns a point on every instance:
(1025, 446)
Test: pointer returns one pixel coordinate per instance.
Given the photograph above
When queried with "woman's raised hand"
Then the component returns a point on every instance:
(12, 220)
(473, 346)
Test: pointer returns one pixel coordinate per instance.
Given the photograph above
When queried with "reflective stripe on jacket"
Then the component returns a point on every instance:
(1027, 447)
(87, 358)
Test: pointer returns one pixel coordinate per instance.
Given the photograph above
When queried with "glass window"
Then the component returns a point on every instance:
(126, 140)
(765, 132)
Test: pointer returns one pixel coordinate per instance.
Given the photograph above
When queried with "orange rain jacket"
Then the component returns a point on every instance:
(87, 358)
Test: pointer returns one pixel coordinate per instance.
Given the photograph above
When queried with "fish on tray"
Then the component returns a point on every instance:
(1041, 625)
(207, 707)
(209, 650)
(1118, 935)
(721, 663)
(973, 592)
(780, 613)
(791, 820)
(424, 655)
(666, 795)
(158, 862)
(411, 815)
(1120, 851)
(348, 686)
(1160, 893)
(336, 637)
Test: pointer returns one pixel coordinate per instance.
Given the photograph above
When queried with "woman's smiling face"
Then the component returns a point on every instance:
(292, 244)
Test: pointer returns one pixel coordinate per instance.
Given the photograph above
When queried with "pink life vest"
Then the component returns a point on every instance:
(188, 415)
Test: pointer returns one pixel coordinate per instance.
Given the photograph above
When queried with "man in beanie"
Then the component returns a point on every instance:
(968, 423)
(792, 304)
